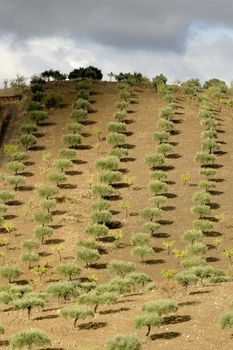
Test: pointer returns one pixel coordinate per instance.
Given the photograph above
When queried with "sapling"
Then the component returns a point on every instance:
(201, 210)
(15, 167)
(139, 278)
(10, 149)
(72, 140)
(168, 245)
(41, 270)
(10, 272)
(166, 125)
(157, 187)
(59, 248)
(201, 198)
(15, 181)
(78, 115)
(101, 216)
(57, 178)
(97, 230)
(82, 104)
(97, 131)
(206, 185)
(166, 112)
(210, 146)
(185, 178)
(87, 243)
(217, 242)
(28, 303)
(120, 285)
(43, 231)
(101, 204)
(76, 312)
(179, 254)
(30, 244)
(121, 105)
(209, 123)
(154, 160)
(193, 262)
(126, 206)
(69, 271)
(161, 136)
(121, 116)
(37, 116)
(226, 320)
(124, 342)
(197, 248)
(119, 152)
(152, 227)
(186, 278)
(6, 196)
(118, 127)
(229, 253)
(30, 258)
(19, 156)
(74, 128)
(150, 213)
(168, 273)
(165, 148)
(103, 190)
(116, 139)
(88, 256)
(142, 251)
(67, 153)
(209, 134)
(205, 158)
(124, 95)
(110, 176)
(47, 191)
(192, 236)
(160, 306)
(48, 204)
(42, 218)
(148, 320)
(29, 129)
(140, 239)
(159, 175)
(96, 298)
(29, 338)
(204, 225)
(107, 163)
(121, 268)
(62, 164)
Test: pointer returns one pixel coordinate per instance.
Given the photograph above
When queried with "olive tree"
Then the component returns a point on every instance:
(96, 298)
(76, 312)
(121, 268)
(10, 272)
(69, 271)
(88, 256)
(148, 320)
(29, 338)
(28, 303)
(124, 342)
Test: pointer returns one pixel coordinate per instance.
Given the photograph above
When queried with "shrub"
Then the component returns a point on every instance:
(124, 95)
(84, 94)
(102, 204)
(157, 187)
(197, 248)
(159, 175)
(69, 271)
(30, 258)
(116, 139)
(209, 123)
(124, 342)
(152, 227)
(75, 128)
(10, 272)
(28, 140)
(154, 160)
(166, 125)
(28, 129)
(206, 185)
(165, 148)
(160, 306)
(140, 239)
(150, 213)
(30, 244)
(43, 231)
(108, 163)
(15, 167)
(78, 115)
(72, 140)
(142, 251)
(210, 134)
(54, 101)
(49, 204)
(192, 236)
(76, 312)
(29, 338)
(101, 216)
(110, 176)
(119, 152)
(63, 290)
(37, 116)
(10, 149)
(97, 230)
(97, 298)
(46, 191)
(88, 256)
(15, 181)
(121, 115)
(121, 268)
(201, 198)
(159, 200)
(203, 225)
(57, 178)
(148, 320)
(201, 210)
(102, 190)
(80, 103)
(6, 196)
(118, 127)
(161, 136)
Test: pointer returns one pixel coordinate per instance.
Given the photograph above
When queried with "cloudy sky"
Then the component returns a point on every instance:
(180, 38)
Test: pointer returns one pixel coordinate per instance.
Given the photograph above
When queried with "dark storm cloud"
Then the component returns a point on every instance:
(154, 24)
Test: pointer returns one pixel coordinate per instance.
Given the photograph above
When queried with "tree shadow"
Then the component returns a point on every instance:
(168, 208)
(27, 174)
(128, 146)
(154, 261)
(216, 193)
(199, 292)
(56, 227)
(165, 222)
(28, 163)
(189, 303)
(128, 159)
(165, 335)
(214, 205)
(212, 234)
(114, 224)
(83, 147)
(48, 317)
(89, 122)
(212, 259)
(4, 343)
(218, 180)
(174, 156)
(158, 249)
(173, 319)
(73, 173)
(9, 216)
(98, 266)
(14, 203)
(38, 148)
(54, 241)
(44, 254)
(68, 186)
(129, 121)
(170, 195)
(48, 123)
(107, 312)
(86, 134)
(161, 235)
(92, 325)
(79, 161)
(26, 188)
(58, 212)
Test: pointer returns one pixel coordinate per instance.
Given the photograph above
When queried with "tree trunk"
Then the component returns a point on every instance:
(29, 312)
(75, 322)
(148, 331)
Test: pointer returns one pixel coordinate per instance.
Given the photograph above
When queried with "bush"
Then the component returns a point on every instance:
(121, 115)
(208, 172)
(19, 156)
(29, 129)
(35, 106)
(43, 231)
(161, 136)
(6, 196)
(30, 244)
(75, 128)
(47, 191)
(185, 278)
(10, 272)
(116, 139)
(30, 258)
(159, 175)
(28, 140)
(110, 176)
(124, 342)
(57, 178)
(107, 163)
(29, 338)
(118, 127)
(142, 251)
(78, 115)
(54, 101)
(201, 210)
(15, 181)
(154, 160)
(139, 278)
(76, 312)
(102, 190)
(102, 204)
(15, 167)
(72, 140)
(210, 146)
(88, 256)
(157, 187)
(197, 248)
(84, 94)
(87, 243)
(152, 227)
(160, 306)
(193, 262)
(63, 290)
(101, 216)
(97, 230)
(150, 213)
(80, 103)
(62, 164)
(122, 105)
(121, 268)
(37, 116)
(69, 271)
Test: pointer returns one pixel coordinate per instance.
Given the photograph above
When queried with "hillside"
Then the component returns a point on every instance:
(195, 324)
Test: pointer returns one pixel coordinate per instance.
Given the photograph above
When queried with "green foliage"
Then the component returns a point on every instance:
(28, 302)
(35, 106)
(80, 103)
(205, 158)
(67, 153)
(207, 172)
(15, 167)
(140, 239)
(159, 175)
(150, 213)
(15, 181)
(102, 204)
(166, 112)
(226, 320)
(48, 204)
(206, 185)
(37, 116)
(122, 106)
(42, 218)
(10, 272)
(201, 198)
(30, 258)
(197, 248)
(63, 290)
(110, 176)
(161, 136)
(103, 190)
(201, 210)
(121, 285)
(203, 225)
(2, 330)
(166, 125)
(29, 338)
(57, 178)
(157, 187)
(210, 146)
(121, 115)
(43, 231)
(119, 152)
(29, 129)
(160, 306)
(101, 216)
(53, 100)
(139, 278)
(152, 227)
(165, 148)
(78, 115)
(19, 156)
(142, 251)
(148, 320)
(47, 191)
(154, 160)
(69, 271)
(121, 268)
(192, 236)
(75, 128)
(193, 262)
(30, 244)
(76, 312)
(97, 230)
(159, 200)
(10, 149)
(97, 298)
(108, 163)
(87, 255)
(87, 243)
(72, 140)
(124, 342)
(185, 278)
(118, 127)
(116, 139)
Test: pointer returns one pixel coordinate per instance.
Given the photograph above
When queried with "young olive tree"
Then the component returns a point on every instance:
(76, 312)
(124, 342)
(29, 338)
